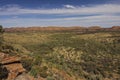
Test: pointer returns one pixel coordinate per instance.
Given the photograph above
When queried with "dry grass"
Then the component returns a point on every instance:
(26, 38)
(93, 36)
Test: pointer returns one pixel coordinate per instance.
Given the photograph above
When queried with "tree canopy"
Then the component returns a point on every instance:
(1, 29)
(1, 34)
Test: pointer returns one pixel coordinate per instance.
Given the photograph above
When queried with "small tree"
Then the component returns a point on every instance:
(1, 35)
(1, 29)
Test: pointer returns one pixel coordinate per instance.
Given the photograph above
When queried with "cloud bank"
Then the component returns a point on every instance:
(67, 9)
(103, 15)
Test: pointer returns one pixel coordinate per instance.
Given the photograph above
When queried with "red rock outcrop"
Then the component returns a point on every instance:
(12, 64)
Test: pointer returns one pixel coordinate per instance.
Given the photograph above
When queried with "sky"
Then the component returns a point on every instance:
(85, 13)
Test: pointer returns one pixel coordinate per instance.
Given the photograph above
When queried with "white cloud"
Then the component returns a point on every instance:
(69, 6)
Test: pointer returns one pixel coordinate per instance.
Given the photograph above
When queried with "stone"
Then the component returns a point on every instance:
(24, 76)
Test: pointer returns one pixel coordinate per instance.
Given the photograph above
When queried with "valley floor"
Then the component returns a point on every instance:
(67, 55)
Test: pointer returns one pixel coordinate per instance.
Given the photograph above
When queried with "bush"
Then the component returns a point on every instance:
(27, 64)
(39, 71)
(37, 60)
(1, 35)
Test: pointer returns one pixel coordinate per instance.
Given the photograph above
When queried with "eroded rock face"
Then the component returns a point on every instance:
(12, 65)
(13, 69)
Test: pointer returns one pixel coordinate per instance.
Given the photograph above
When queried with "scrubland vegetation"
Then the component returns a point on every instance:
(67, 55)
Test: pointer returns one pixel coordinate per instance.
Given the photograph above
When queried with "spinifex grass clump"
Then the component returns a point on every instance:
(67, 53)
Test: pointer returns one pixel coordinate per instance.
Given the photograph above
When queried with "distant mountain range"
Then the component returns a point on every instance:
(61, 29)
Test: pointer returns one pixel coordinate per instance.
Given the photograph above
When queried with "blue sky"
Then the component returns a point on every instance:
(27, 13)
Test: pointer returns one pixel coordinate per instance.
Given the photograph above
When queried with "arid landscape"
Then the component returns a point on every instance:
(59, 39)
(60, 53)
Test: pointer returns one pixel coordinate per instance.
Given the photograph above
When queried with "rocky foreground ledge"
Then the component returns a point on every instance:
(13, 69)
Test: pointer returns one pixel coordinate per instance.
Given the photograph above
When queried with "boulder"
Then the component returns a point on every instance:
(24, 76)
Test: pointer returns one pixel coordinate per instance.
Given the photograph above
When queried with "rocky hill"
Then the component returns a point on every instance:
(73, 29)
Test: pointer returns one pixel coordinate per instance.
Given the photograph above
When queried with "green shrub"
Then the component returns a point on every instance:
(27, 64)
(37, 60)
(34, 71)
(1, 36)
(39, 71)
